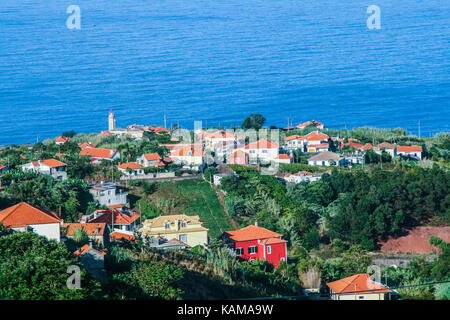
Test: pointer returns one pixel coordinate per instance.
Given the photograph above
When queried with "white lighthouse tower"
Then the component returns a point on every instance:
(111, 121)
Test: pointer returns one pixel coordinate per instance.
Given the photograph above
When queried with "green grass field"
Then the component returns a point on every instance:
(196, 197)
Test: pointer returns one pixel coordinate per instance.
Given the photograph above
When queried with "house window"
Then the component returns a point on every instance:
(252, 250)
(269, 250)
(361, 297)
(182, 237)
(184, 224)
(167, 225)
(282, 259)
(239, 251)
(264, 151)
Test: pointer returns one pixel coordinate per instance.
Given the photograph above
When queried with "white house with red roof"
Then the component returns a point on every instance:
(220, 136)
(414, 152)
(150, 160)
(50, 167)
(262, 150)
(98, 154)
(302, 176)
(131, 169)
(22, 216)
(284, 158)
(115, 219)
(61, 140)
(316, 142)
(295, 142)
(238, 157)
(314, 123)
(257, 243)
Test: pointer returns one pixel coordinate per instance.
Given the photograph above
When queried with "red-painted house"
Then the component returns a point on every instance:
(257, 243)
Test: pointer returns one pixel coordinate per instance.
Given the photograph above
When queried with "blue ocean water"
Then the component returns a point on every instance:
(218, 61)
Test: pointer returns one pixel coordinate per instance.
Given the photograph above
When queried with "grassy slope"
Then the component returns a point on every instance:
(196, 197)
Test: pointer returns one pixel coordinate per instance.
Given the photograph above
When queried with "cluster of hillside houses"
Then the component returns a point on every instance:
(168, 232)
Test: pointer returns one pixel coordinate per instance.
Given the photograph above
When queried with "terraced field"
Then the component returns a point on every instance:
(196, 197)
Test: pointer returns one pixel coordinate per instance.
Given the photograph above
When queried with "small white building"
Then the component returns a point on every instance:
(326, 158)
(50, 167)
(23, 216)
(108, 194)
(413, 152)
(385, 146)
(150, 160)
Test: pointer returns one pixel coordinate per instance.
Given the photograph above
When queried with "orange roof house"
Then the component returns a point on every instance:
(358, 287)
(95, 231)
(23, 215)
(86, 145)
(262, 144)
(125, 220)
(130, 165)
(99, 153)
(408, 149)
(316, 136)
(85, 249)
(251, 232)
(159, 130)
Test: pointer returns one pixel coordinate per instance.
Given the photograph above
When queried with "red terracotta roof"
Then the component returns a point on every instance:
(92, 229)
(24, 214)
(320, 145)
(98, 153)
(105, 133)
(251, 232)
(131, 165)
(306, 172)
(53, 163)
(119, 217)
(86, 145)
(409, 149)
(353, 144)
(2, 167)
(367, 146)
(273, 241)
(386, 145)
(357, 282)
(160, 129)
(316, 136)
(152, 156)
(116, 235)
(85, 249)
(262, 144)
(62, 139)
(294, 137)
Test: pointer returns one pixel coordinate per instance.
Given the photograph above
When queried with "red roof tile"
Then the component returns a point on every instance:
(85, 249)
(53, 163)
(409, 149)
(251, 232)
(357, 282)
(262, 144)
(131, 165)
(119, 217)
(24, 214)
(98, 153)
(316, 136)
(92, 229)
(152, 156)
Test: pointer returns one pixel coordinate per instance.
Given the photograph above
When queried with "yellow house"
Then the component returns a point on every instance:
(359, 287)
(187, 229)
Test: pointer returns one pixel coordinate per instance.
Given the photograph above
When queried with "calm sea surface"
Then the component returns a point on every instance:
(218, 61)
